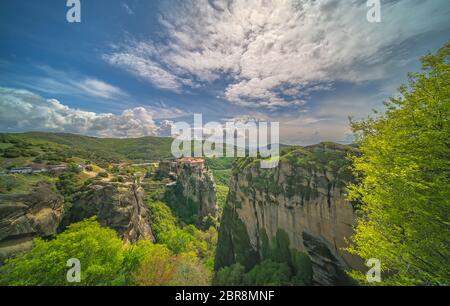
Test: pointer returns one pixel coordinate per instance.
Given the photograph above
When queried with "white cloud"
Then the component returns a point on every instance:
(21, 110)
(127, 9)
(58, 82)
(100, 89)
(273, 51)
(161, 110)
(145, 68)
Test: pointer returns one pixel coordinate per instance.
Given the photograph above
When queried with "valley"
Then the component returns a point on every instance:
(225, 213)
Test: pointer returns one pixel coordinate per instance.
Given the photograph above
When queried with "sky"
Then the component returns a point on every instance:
(133, 68)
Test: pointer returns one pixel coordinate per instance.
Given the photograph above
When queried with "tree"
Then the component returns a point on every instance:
(403, 183)
(189, 270)
(268, 273)
(231, 276)
(98, 249)
(157, 265)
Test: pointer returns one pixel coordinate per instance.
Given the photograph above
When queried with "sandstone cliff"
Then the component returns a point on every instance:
(303, 197)
(194, 182)
(198, 185)
(26, 216)
(118, 207)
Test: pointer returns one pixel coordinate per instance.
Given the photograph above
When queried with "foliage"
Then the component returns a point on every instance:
(281, 265)
(103, 174)
(156, 265)
(185, 209)
(221, 168)
(268, 273)
(190, 271)
(221, 194)
(182, 239)
(98, 249)
(104, 261)
(222, 177)
(404, 180)
(148, 264)
(68, 184)
(8, 183)
(231, 276)
(58, 147)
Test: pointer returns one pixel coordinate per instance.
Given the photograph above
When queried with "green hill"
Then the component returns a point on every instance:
(24, 147)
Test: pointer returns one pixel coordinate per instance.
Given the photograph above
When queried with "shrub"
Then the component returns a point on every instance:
(102, 174)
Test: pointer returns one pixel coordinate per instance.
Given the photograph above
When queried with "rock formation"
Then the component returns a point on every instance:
(26, 216)
(195, 183)
(117, 207)
(303, 197)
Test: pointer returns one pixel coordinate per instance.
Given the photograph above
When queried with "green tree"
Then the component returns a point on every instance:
(99, 250)
(403, 183)
(231, 276)
(268, 273)
(190, 271)
(150, 264)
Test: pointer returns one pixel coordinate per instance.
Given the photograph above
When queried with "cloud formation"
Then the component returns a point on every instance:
(57, 82)
(100, 89)
(21, 110)
(272, 53)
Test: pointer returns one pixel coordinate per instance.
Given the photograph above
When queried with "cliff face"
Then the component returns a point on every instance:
(303, 197)
(198, 185)
(23, 217)
(193, 182)
(120, 208)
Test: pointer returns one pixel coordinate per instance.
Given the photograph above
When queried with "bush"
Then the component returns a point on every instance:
(102, 174)
(12, 152)
(8, 183)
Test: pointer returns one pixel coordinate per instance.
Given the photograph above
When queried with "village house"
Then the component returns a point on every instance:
(57, 168)
(21, 170)
(39, 168)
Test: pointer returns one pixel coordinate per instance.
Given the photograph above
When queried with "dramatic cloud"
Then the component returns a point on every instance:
(273, 53)
(21, 110)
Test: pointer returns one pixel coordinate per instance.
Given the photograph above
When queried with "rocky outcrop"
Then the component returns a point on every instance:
(198, 185)
(193, 182)
(305, 198)
(118, 207)
(26, 216)
(328, 266)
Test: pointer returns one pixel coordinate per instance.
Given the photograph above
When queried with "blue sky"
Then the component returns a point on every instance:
(131, 68)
